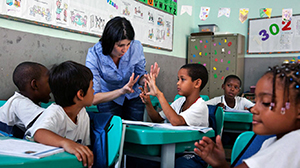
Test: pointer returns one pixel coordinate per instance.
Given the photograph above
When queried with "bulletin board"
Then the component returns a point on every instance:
(153, 27)
(272, 35)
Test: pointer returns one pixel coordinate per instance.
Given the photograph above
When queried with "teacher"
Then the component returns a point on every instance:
(118, 63)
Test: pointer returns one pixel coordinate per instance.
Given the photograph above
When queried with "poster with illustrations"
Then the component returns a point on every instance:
(41, 11)
(153, 27)
(13, 7)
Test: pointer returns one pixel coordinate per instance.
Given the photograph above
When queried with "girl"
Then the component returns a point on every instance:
(277, 111)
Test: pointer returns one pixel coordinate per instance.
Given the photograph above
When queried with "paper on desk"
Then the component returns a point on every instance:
(23, 148)
(168, 126)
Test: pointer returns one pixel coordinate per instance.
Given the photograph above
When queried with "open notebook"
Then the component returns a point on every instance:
(167, 126)
(23, 148)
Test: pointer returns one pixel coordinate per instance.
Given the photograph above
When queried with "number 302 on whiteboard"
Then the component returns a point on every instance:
(274, 30)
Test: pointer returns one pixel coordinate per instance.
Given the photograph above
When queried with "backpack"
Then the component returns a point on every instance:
(212, 119)
(100, 125)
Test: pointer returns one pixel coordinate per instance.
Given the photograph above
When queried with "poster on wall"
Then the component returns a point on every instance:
(154, 28)
(274, 35)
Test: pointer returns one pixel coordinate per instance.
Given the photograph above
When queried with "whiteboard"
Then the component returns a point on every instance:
(272, 35)
(153, 27)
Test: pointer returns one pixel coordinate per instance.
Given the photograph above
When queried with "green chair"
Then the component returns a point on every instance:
(219, 120)
(240, 143)
(45, 105)
(92, 108)
(2, 102)
(115, 141)
(204, 97)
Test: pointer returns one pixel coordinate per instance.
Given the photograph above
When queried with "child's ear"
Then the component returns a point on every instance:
(298, 111)
(198, 83)
(223, 87)
(80, 94)
(33, 84)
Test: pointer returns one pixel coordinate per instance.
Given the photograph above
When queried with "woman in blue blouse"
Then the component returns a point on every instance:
(118, 64)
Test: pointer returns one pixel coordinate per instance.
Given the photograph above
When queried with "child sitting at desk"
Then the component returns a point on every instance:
(230, 100)
(22, 109)
(276, 111)
(188, 110)
(66, 123)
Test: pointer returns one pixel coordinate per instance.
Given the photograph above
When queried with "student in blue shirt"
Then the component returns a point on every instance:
(118, 64)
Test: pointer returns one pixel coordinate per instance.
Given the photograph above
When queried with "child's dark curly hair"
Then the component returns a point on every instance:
(289, 74)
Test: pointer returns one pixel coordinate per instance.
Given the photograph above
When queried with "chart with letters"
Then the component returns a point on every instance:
(273, 35)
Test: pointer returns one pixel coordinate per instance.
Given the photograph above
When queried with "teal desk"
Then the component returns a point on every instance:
(60, 160)
(160, 144)
(237, 122)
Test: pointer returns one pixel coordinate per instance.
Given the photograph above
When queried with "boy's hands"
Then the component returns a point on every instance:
(128, 87)
(145, 98)
(83, 153)
(210, 152)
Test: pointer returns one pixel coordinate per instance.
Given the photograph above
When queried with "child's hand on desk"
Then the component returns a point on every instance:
(210, 152)
(83, 153)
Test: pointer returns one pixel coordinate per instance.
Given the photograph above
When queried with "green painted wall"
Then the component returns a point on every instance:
(185, 24)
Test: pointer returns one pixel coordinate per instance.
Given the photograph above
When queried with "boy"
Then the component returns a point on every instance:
(65, 123)
(188, 110)
(230, 100)
(22, 109)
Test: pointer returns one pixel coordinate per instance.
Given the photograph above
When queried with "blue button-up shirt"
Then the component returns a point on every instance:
(109, 77)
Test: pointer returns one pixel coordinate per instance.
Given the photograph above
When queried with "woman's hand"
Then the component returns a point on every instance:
(128, 87)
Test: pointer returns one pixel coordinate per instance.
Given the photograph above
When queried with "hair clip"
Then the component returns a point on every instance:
(291, 79)
(271, 106)
(282, 75)
(296, 73)
(282, 110)
(297, 86)
(287, 105)
(278, 71)
(287, 69)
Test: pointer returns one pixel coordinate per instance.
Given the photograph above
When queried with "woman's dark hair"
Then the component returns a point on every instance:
(197, 71)
(116, 29)
(66, 79)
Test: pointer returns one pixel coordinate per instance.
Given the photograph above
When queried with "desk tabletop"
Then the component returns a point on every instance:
(144, 135)
(238, 117)
(60, 160)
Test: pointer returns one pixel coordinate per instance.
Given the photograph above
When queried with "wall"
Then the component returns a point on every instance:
(255, 64)
(16, 47)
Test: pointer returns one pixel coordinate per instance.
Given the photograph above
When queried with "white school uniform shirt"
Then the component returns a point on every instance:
(55, 119)
(20, 111)
(240, 102)
(195, 115)
(280, 153)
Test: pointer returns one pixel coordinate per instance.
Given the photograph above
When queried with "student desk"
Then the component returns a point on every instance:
(160, 144)
(60, 160)
(237, 121)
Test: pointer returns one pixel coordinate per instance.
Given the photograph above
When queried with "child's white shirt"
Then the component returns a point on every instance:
(195, 115)
(20, 111)
(240, 102)
(280, 153)
(55, 119)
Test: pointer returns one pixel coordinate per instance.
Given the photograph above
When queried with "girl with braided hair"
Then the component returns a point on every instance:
(277, 111)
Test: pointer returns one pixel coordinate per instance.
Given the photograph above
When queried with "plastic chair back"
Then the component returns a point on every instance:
(2, 102)
(114, 139)
(246, 145)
